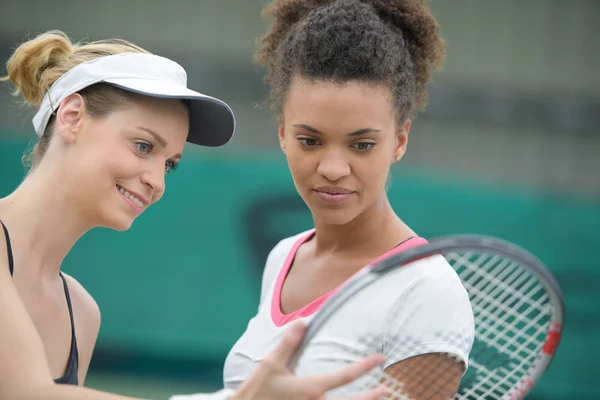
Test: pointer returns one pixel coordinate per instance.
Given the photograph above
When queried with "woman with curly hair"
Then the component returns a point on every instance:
(346, 77)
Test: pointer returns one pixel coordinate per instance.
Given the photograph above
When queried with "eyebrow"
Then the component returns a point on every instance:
(355, 133)
(159, 139)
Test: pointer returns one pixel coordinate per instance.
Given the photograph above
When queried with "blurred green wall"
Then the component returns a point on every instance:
(183, 282)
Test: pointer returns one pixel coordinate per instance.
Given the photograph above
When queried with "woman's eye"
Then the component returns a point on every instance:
(144, 147)
(170, 166)
(363, 146)
(308, 142)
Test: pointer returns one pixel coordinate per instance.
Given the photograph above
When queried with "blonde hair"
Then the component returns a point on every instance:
(38, 63)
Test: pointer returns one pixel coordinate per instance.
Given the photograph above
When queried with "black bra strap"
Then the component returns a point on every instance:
(68, 296)
(8, 249)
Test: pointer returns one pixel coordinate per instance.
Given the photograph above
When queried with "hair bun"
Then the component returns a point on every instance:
(31, 65)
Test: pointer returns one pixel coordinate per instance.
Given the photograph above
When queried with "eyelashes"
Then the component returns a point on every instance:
(363, 146)
(308, 142)
(171, 166)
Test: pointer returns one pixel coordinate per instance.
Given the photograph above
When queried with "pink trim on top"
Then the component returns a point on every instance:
(279, 318)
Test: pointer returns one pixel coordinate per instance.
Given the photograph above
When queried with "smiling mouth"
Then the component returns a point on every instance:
(131, 197)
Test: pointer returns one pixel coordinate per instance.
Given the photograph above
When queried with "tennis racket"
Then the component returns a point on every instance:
(518, 317)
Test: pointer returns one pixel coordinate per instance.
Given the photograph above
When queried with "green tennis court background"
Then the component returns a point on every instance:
(179, 287)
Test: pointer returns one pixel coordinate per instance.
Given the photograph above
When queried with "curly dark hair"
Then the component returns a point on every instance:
(391, 42)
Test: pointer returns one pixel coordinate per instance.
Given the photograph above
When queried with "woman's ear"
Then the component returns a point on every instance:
(281, 137)
(402, 140)
(69, 117)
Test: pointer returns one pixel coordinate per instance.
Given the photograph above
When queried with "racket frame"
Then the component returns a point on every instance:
(372, 272)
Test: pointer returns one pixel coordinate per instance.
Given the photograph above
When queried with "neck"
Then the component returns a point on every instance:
(44, 222)
(376, 230)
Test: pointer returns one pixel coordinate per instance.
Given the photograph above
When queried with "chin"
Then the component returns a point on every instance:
(340, 216)
(120, 223)
(122, 227)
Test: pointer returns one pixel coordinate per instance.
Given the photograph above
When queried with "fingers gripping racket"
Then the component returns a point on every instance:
(517, 312)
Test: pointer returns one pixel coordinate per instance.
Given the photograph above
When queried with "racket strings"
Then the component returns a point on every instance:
(511, 313)
(496, 326)
(420, 377)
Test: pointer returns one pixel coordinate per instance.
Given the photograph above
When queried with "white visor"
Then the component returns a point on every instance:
(212, 122)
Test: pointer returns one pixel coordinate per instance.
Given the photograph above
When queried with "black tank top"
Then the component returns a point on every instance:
(70, 376)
